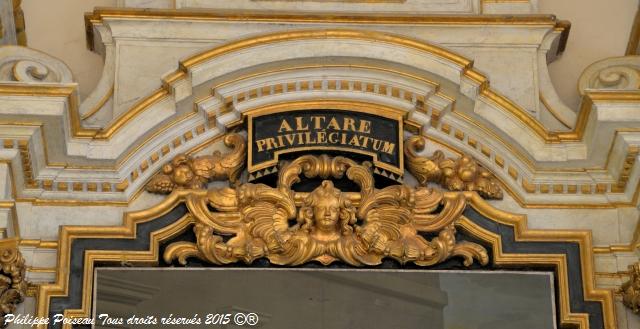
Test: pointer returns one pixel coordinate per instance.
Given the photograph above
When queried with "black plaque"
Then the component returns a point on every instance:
(348, 131)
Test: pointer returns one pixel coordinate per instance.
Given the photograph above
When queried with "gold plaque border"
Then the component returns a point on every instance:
(338, 105)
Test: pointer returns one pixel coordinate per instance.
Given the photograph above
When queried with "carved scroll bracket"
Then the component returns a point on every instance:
(615, 73)
(25, 65)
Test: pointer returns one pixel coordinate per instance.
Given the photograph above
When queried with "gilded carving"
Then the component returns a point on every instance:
(185, 171)
(327, 224)
(630, 290)
(461, 174)
(13, 286)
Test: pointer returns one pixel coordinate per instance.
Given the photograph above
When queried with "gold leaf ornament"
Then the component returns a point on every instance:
(13, 286)
(326, 225)
(461, 174)
(630, 290)
(185, 171)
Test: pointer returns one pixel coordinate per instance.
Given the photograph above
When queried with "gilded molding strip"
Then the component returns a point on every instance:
(27, 169)
(615, 275)
(7, 204)
(100, 14)
(41, 269)
(38, 243)
(107, 132)
(439, 52)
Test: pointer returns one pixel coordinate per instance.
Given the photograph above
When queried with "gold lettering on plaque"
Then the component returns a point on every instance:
(303, 131)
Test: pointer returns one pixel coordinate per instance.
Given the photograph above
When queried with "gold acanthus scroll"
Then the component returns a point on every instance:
(630, 290)
(13, 286)
(461, 174)
(247, 221)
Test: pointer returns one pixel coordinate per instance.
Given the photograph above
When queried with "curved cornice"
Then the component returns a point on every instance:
(463, 65)
(101, 14)
(199, 69)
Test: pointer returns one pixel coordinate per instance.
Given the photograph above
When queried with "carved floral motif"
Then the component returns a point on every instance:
(185, 171)
(13, 286)
(630, 290)
(461, 174)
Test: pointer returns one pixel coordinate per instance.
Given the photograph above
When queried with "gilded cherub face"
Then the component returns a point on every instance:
(326, 212)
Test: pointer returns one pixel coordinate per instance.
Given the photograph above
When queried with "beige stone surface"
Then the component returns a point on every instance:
(42, 222)
(599, 29)
(57, 28)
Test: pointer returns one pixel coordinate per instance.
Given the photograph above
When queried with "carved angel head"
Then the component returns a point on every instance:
(327, 211)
